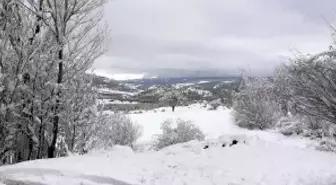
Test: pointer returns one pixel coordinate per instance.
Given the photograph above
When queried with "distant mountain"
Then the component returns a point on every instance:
(148, 82)
(103, 82)
(111, 84)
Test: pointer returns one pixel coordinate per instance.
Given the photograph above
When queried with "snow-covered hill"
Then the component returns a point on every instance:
(259, 158)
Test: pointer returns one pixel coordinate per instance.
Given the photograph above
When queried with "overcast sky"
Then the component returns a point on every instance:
(205, 37)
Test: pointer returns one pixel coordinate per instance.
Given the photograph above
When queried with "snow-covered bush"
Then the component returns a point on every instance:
(215, 104)
(328, 134)
(307, 126)
(211, 108)
(328, 144)
(305, 87)
(178, 131)
(115, 129)
(290, 125)
(255, 105)
(315, 127)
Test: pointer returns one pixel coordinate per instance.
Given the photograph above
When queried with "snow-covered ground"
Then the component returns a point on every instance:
(212, 123)
(266, 158)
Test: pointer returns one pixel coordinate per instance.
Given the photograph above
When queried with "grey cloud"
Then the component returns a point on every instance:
(174, 37)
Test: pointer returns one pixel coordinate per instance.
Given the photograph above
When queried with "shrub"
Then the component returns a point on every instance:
(290, 125)
(308, 126)
(215, 104)
(115, 129)
(255, 105)
(179, 131)
(211, 108)
(328, 145)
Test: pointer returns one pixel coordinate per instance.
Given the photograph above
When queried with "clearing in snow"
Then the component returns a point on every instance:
(259, 158)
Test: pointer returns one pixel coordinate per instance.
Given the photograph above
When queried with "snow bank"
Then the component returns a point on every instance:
(259, 162)
(114, 152)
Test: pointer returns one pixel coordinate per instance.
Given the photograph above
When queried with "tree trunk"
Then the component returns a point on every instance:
(41, 133)
(52, 147)
(84, 151)
(173, 108)
(73, 138)
(30, 149)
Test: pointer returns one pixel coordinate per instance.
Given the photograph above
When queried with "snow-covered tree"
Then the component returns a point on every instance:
(172, 98)
(113, 129)
(312, 84)
(81, 111)
(20, 49)
(45, 48)
(73, 26)
(255, 105)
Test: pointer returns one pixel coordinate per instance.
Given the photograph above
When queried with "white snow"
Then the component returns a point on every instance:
(122, 102)
(203, 82)
(111, 91)
(180, 85)
(104, 101)
(228, 81)
(117, 102)
(199, 91)
(266, 158)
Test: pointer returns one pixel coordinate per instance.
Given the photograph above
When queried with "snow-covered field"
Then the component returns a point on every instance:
(266, 158)
(212, 123)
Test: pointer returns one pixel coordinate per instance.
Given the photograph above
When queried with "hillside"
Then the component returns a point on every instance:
(146, 93)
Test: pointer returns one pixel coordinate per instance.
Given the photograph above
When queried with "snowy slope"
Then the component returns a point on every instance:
(254, 163)
(266, 158)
